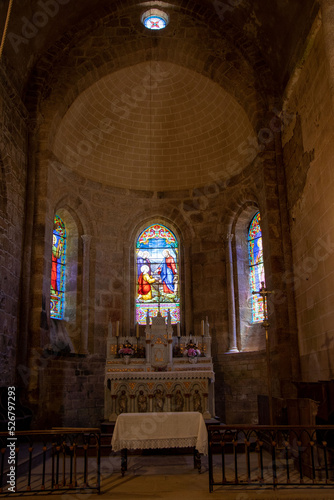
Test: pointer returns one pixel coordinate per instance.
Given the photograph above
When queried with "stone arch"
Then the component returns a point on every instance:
(249, 337)
(74, 66)
(178, 225)
(73, 69)
(79, 310)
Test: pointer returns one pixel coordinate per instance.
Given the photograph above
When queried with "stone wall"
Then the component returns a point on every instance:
(13, 166)
(71, 392)
(201, 217)
(308, 156)
(242, 378)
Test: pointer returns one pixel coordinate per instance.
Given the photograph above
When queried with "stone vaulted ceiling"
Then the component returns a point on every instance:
(159, 126)
(134, 108)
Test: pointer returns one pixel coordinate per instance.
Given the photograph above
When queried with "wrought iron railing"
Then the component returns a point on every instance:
(44, 461)
(271, 456)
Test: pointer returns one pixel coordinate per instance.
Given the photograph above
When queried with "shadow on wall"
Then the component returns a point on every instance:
(23, 415)
(59, 337)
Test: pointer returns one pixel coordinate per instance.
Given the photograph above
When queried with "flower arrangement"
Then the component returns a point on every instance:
(192, 351)
(126, 349)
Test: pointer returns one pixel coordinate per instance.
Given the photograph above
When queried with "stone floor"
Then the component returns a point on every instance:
(173, 477)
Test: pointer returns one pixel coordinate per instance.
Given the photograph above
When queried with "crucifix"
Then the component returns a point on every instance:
(263, 292)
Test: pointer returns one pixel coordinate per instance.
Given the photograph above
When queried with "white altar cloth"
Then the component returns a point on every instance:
(160, 430)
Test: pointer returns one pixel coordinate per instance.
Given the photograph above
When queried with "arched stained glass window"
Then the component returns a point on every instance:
(57, 291)
(256, 268)
(157, 274)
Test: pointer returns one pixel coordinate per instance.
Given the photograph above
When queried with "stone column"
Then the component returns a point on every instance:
(230, 294)
(170, 351)
(169, 400)
(86, 239)
(113, 415)
(206, 413)
(150, 400)
(327, 14)
(187, 405)
(132, 403)
(148, 351)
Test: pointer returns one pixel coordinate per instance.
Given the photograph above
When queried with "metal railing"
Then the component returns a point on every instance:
(66, 459)
(271, 456)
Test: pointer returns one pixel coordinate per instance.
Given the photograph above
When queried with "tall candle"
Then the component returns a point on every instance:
(178, 330)
(202, 327)
(117, 328)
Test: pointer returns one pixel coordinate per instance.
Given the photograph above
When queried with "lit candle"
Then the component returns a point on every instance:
(117, 328)
(202, 327)
(137, 330)
(178, 330)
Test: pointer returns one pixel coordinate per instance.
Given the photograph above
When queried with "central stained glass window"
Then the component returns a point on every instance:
(256, 267)
(157, 274)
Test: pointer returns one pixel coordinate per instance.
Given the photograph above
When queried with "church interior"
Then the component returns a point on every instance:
(166, 188)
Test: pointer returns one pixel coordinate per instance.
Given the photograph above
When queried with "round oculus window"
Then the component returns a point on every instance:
(155, 19)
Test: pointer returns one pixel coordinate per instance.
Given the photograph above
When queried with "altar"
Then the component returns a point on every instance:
(160, 430)
(160, 371)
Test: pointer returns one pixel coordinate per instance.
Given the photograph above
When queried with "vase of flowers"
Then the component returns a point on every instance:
(192, 352)
(126, 351)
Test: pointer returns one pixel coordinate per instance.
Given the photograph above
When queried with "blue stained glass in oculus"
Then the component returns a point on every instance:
(155, 19)
(154, 23)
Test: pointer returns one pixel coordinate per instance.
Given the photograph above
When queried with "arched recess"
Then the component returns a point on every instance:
(70, 334)
(130, 260)
(52, 95)
(248, 335)
(63, 332)
(157, 274)
(72, 74)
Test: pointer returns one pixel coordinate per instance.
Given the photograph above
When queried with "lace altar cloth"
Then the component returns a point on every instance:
(160, 430)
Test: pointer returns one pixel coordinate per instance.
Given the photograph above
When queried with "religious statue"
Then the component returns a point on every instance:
(179, 401)
(159, 400)
(142, 402)
(123, 403)
(197, 401)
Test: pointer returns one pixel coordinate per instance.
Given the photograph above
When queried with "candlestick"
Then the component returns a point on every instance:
(137, 330)
(178, 330)
(202, 327)
(117, 328)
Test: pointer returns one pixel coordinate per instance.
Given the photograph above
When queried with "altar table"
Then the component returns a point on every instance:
(160, 430)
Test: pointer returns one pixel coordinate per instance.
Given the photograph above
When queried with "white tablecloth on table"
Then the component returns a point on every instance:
(160, 430)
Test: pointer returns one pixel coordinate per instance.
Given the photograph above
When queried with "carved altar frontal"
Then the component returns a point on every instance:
(163, 373)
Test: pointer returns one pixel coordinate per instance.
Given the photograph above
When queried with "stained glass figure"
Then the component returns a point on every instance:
(157, 274)
(256, 267)
(58, 260)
